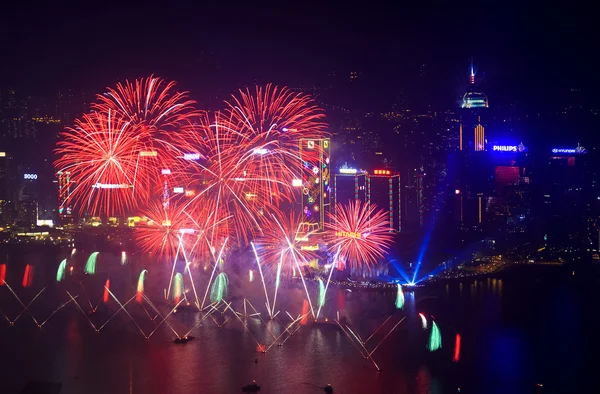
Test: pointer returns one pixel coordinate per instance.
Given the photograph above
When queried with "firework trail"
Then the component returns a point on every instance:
(123, 258)
(250, 276)
(219, 288)
(177, 287)
(90, 265)
(140, 286)
(105, 296)
(73, 252)
(60, 273)
(456, 349)
(2, 274)
(423, 321)
(435, 338)
(28, 276)
(360, 231)
(321, 293)
(399, 298)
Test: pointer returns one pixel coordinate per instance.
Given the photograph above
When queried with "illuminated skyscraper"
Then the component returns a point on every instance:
(316, 185)
(472, 129)
(64, 189)
(382, 188)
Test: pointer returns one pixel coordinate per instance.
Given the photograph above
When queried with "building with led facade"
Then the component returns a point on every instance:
(64, 189)
(316, 185)
(472, 127)
(381, 187)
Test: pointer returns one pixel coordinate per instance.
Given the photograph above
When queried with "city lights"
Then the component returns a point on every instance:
(381, 172)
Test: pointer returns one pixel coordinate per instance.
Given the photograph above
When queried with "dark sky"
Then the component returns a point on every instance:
(211, 49)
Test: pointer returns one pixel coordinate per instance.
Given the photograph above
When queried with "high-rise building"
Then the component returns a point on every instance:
(64, 189)
(316, 187)
(382, 188)
(349, 184)
(472, 127)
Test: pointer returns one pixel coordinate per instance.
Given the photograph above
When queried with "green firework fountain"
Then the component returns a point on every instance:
(177, 287)
(321, 292)
(399, 298)
(90, 265)
(60, 273)
(219, 288)
(435, 338)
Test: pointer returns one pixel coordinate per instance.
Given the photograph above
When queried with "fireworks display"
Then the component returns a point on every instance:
(90, 265)
(423, 321)
(456, 356)
(177, 287)
(435, 338)
(219, 288)
(399, 298)
(140, 286)
(28, 276)
(60, 273)
(361, 232)
(105, 295)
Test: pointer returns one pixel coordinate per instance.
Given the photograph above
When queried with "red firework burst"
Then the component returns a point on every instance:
(266, 127)
(162, 236)
(282, 241)
(151, 103)
(172, 231)
(221, 179)
(360, 232)
(101, 153)
(158, 113)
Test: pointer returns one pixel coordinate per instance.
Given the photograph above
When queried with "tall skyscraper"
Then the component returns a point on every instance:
(382, 188)
(472, 128)
(64, 189)
(316, 187)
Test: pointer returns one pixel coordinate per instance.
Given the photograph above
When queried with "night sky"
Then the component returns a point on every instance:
(525, 52)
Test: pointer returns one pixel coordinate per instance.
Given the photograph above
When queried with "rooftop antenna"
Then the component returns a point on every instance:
(472, 75)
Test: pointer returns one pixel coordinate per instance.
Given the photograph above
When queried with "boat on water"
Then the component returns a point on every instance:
(251, 388)
(181, 340)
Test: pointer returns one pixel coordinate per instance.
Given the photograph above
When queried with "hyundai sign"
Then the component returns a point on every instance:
(29, 176)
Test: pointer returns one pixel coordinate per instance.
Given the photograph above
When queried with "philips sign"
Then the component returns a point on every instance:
(29, 176)
(505, 148)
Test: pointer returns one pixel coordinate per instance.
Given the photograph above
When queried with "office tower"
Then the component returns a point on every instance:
(383, 189)
(316, 187)
(472, 128)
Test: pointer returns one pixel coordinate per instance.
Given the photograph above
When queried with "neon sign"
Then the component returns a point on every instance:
(29, 176)
(348, 234)
(261, 151)
(178, 190)
(309, 247)
(296, 182)
(348, 171)
(572, 151)
(382, 172)
(99, 185)
(190, 193)
(166, 171)
(149, 153)
(191, 156)
(186, 231)
(505, 148)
